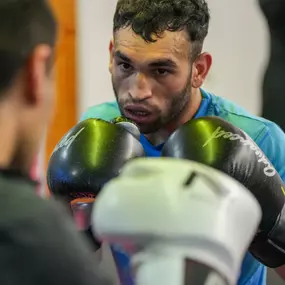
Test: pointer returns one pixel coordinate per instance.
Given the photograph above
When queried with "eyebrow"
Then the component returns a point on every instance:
(162, 62)
(122, 56)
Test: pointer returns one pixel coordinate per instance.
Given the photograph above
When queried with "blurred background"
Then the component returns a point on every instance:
(238, 41)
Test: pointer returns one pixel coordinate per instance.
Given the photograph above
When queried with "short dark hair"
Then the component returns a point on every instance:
(24, 24)
(152, 17)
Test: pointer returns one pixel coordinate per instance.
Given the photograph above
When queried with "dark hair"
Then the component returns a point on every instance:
(152, 17)
(24, 24)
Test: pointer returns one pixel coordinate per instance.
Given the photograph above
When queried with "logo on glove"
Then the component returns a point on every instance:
(269, 170)
(67, 141)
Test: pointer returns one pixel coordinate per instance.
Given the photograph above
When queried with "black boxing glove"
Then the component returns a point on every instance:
(88, 156)
(217, 143)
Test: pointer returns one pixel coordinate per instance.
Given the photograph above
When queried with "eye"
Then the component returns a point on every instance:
(125, 66)
(161, 72)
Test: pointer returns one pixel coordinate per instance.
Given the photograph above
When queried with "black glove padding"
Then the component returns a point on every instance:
(217, 143)
(87, 157)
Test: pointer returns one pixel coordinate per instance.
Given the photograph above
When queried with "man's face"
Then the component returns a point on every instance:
(151, 81)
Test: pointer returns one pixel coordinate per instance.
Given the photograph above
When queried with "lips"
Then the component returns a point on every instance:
(138, 114)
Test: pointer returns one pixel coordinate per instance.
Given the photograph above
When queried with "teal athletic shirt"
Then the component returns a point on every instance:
(267, 135)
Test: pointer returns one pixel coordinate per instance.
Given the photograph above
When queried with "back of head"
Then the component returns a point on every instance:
(24, 24)
(150, 18)
(27, 38)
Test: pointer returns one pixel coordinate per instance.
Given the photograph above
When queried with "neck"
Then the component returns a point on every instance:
(187, 114)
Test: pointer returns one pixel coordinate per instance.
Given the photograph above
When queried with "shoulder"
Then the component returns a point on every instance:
(41, 244)
(18, 201)
(105, 111)
(238, 116)
(24, 214)
(256, 127)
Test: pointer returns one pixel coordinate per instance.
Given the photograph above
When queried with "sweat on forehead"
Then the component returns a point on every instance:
(172, 42)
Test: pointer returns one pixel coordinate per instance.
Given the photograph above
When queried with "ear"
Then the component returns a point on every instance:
(200, 69)
(111, 52)
(37, 68)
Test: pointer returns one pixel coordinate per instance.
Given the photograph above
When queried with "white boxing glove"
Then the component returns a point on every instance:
(178, 220)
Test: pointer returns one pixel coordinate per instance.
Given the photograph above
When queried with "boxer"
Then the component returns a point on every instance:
(39, 244)
(158, 66)
(180, 221)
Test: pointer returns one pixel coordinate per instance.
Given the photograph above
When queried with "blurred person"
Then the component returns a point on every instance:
(39, 243)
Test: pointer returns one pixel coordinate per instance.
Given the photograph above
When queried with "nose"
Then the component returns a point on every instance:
(141, 88)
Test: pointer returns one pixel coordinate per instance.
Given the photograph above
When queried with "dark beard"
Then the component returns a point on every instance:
(179, 103)
(176, 107)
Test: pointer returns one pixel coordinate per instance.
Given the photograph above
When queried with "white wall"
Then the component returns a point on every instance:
(237, 41)
(94, 34)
